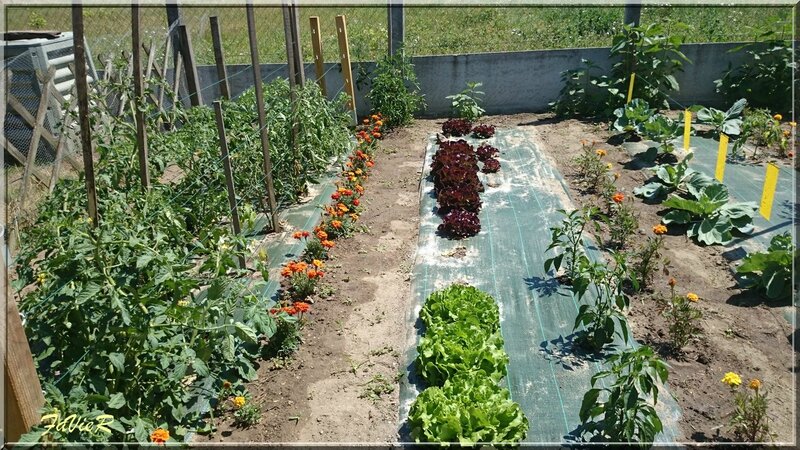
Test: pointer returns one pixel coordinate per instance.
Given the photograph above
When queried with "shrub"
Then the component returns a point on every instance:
(466, 105)
(394, 91)
(682, 316)
(763, 130)
(591, 171)
(771, 271)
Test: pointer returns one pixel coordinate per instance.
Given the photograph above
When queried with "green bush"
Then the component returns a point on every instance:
(394, 92)
(771, 271)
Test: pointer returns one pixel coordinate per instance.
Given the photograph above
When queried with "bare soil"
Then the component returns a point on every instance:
(741, 332)
(342, 384)
(353, 338)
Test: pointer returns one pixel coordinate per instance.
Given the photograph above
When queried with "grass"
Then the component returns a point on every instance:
(430, 30)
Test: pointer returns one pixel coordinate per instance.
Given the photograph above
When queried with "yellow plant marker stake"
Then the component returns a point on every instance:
(770, 182)
(721, 156)
(630, 87)
(687, 128)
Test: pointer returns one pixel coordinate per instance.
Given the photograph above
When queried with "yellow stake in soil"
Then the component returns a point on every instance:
(770, 182)
(630, 87)
(721, 155)
(687, 128)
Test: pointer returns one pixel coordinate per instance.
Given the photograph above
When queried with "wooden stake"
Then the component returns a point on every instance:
(291, 58)
(83, 109)
(300, 72)
(219, 59)
(164, 62)
(192, 81)
(262, 118)
(226, 166)
(33, 149)
(319, 62)
(138, 101)
(347, 70)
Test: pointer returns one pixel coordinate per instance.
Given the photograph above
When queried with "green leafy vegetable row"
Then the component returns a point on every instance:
(461, 358)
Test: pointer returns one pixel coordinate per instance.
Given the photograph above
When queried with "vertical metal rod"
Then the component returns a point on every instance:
(138, 94)
(83, 109)
(219, 59)
(190, 68)
(226, 166)
(262, 118)
(319, 61)
(300, 73)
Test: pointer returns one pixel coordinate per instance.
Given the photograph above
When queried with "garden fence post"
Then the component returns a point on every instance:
(319, 61)
(347, 70)
(219, 59)
(300, 72)
(190, 68)
(292, 60)
(78, 44)
(173, 20)
(38, 126)
(633, 12)
(397, 26)
(262, 119)
(226, 166)
(138, 93)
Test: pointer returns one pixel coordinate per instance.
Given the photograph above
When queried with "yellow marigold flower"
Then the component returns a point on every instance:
(609, 166)
(732, 379)
(183, 303)
(777, 117)
(755, 384)
(41, 277)
(317, 263)
(600, 152)
(659, 229)
(343, 208)
(616, 175)
(359, 172)
(239, 401)
(786, 133)
(692, 297)
(792, 124)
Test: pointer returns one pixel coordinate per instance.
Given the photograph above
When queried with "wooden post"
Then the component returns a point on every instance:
(41, 114)
(83, 109)
(347, 70)
(291, 58)
(226, 166)
(262, 118)
(138, 93)
(23, 393)
(319, 62)
(288, 33)
(219, 59)
(396, 26)
(300, 72)
(161, 89)
(173, 19)
(190, 69)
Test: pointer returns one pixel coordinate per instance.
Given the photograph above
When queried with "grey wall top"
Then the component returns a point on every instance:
(513, 81)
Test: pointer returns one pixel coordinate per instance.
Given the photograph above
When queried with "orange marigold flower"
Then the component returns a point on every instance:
(312, 274)
(600, 152)
(320, 274)
(342, 207)
(300, 266)
(375, 117)
(348, 192)
(290, 310)
(359, 189)
(618, 197)
(328, 244)
(672, 282)
(368, 139)
(336, 224)
(376, 134)
(359, 172)
(659, 229)
(286, 272)
(321, 235)
(336, 196)
(349, 164)
(159, 436)
(302, 306)
(366, 120)
(354, 217)
(370, 163)
(755, 384)
(297, 235)
(306, 234)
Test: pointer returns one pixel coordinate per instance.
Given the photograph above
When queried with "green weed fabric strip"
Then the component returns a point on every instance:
(546, 376)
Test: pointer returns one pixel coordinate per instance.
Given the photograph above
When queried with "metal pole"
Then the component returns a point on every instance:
(633, 12)
(397, 24)
(219, 59)
(83, 109)
(138, 94)
(190, 68)
(262, 118)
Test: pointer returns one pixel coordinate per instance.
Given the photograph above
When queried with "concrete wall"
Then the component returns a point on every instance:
(513, 81)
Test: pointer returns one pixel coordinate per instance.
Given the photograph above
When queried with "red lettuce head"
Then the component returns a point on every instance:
(459, 224)
(486, 151)
(483, 131)
(491, 165)
(456, 127)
